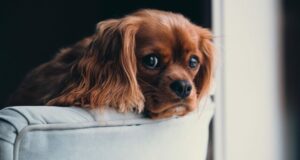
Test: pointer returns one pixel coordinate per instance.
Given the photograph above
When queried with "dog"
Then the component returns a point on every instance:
(151, 61)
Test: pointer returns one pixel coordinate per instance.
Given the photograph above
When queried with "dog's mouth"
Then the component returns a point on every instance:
(157, 107)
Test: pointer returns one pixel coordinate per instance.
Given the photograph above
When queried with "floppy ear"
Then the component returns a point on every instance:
(204, 76)
(107, 71)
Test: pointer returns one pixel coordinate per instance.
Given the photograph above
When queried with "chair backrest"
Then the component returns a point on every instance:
(71, 133)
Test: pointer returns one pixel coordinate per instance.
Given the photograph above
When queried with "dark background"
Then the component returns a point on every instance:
(291, 61)
(33, 31)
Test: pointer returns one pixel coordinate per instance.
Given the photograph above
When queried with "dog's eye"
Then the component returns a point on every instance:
(151, 61)
(193, 63)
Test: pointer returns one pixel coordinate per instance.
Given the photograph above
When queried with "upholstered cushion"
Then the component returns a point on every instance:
(71, 133)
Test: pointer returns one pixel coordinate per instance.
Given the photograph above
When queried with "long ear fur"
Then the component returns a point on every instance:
(204, 76)
(107, 71)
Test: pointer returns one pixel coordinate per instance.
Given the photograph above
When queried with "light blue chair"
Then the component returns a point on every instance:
(71, 133)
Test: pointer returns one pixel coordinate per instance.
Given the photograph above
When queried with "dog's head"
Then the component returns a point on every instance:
(174, 62)
(150, 60)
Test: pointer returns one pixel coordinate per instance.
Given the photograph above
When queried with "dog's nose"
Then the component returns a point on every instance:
(182, 88)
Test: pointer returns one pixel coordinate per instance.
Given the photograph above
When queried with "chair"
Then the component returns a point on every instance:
(72, 133)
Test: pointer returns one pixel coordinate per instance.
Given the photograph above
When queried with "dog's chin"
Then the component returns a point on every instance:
(169, 109)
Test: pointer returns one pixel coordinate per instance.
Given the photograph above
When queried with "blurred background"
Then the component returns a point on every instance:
(32, 31)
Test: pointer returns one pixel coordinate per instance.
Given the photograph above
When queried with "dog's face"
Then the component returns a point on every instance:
(169, 58)
(150, 60)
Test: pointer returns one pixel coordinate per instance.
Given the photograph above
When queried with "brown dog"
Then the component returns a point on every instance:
(152, 61)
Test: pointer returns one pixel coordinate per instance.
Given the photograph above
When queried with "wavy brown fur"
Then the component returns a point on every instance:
(105, 69)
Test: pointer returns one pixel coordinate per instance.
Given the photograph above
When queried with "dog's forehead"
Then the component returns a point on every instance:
(153, 33)
(172, 36)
